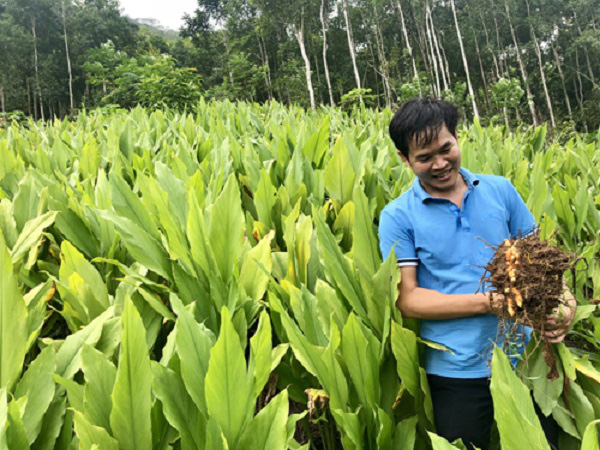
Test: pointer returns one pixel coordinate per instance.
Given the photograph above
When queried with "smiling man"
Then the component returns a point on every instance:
(440, 230)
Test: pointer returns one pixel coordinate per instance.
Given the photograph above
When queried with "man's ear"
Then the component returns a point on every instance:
(404, 159)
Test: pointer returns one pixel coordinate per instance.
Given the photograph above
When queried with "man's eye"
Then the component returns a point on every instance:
(445, 151)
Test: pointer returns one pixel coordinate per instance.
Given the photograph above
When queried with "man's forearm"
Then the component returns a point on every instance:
(420, 303)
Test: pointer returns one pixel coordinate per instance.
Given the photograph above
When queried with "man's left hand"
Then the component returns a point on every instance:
(559, 321)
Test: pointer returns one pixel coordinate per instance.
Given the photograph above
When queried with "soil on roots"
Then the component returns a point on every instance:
(529, 273)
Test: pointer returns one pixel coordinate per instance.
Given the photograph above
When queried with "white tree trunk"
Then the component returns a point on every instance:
(325, 65)
(521, 67)
(437, 50)
(464, 58)
(562, 79)
(351, 44)
(434, 62)
(487, 42)
(407, 42)
(35, 59)
(64, 18)
(538, 54)
(300, 39)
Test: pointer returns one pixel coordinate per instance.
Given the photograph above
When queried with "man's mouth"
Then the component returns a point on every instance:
(444, 176)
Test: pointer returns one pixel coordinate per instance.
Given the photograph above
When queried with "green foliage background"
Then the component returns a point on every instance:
(193, 280)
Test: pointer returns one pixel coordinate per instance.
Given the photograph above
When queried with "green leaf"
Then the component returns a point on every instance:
(3, 418)
(100, 376)
(51, 425)
(131, 397)
(37, 386)
(13, 322)
(68, 357)
(404, 347)
(591, 437)
(567, 360)
(351, 428)
(31, 234)
(16, 435)
(128, 205)
(253, 278)
(226, 229)
(365, 249)
(406, 433)
(268, 429)
(91, 436)
(193, 342)
(178, 407)
(339, 174)
(260, 354)
(74, 392)
(546, 392)
(518, 424)
(228, 391)
(143, 247)
(362, 361)
(439, 443)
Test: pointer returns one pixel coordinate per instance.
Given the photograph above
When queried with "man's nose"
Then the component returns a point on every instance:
(439, 162)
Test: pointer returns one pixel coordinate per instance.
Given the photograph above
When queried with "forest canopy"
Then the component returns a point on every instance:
(507, 61)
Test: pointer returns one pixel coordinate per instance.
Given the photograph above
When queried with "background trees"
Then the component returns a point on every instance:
(510, 61)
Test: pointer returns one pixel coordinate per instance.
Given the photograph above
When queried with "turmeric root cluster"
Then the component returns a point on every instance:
(529, 272)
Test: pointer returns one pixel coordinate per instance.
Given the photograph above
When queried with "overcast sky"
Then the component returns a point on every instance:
(168, 13)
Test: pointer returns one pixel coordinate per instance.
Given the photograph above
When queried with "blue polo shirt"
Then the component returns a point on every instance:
(450, 247)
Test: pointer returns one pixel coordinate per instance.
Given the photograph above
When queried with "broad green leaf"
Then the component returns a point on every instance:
(584, 366)
(567, 360)
(405, 433)
(3, 418)
(13, 322)
(228, 392)
(128, 205)
(268, 429)
(68, 357)
(591, 437)
(365, 250)
(264, 200)
(178, 407)
(404, 347)
(142, 246)
(8, 226)
(546, 392)
(193, 342)
(31, 234)
(131, 397)
(51, 425)
(37, 386)
(337, 267)
(74, 392)
(74, 229)
(156, 304)
(582, 409)
(351, 428)
(339, 174)
(260, 354)
(253, 278)
(91, 436)
(361, 361)
(16, 434)
(100, 376)
(518, 424)
(439, 443)
(226, 229)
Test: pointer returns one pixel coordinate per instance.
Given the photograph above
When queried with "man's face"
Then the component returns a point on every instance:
(436, 164)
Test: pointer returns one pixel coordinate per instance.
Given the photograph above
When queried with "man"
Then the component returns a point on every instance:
(440, 230)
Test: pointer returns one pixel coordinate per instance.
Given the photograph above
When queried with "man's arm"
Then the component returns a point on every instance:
(420, 303)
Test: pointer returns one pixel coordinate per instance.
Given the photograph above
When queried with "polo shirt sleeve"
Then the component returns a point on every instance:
(395, 232)
(521, 220)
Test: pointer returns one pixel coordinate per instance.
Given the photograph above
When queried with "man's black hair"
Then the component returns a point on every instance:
(418, 122)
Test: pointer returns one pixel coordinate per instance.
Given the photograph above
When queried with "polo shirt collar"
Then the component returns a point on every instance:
(471, 179)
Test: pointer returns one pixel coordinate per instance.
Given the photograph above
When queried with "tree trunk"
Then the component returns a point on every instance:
(464, 58)
(521, 67)
(503, 70)
(351, 45)
(538, 53)
(325, 65)
(28, 96)
(2, 104)
(446, 64)
(407, 42)
(64, 19)
(265, 62)
(385, 74)
(437, 50)
(562, 79)
(37, 77)
(585, 52)
(483, 78)
(300, 38)
(489, 47)
(434, 62)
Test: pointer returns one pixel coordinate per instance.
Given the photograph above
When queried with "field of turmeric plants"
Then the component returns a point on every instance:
(212, 280)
